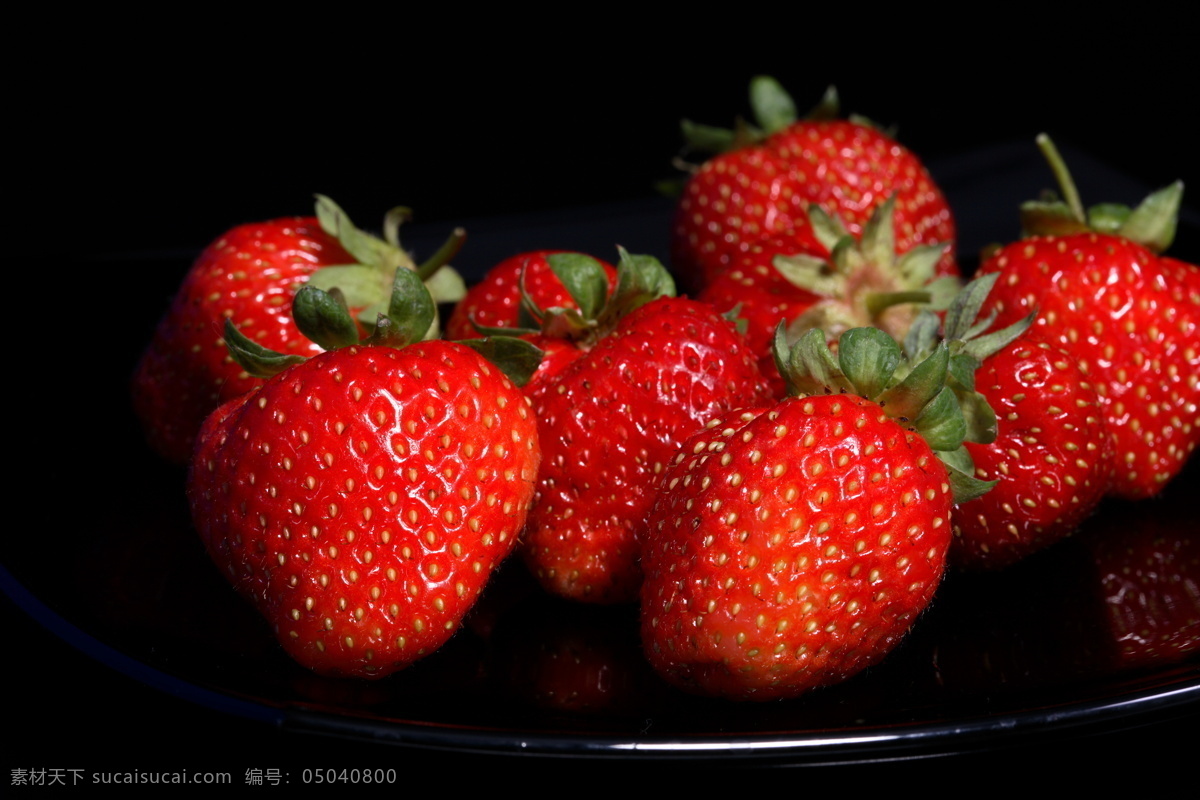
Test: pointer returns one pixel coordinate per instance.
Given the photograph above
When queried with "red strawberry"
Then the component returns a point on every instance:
(495, 302)
(1050, 458)
(848, 168)
(790, 547)
(361, 498)
(1130, 317)
(1049, 452)
(248, 275)
(730, 202)
(608, 425)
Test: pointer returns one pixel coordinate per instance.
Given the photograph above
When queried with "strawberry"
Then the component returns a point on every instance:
(791, 546)
(756, 190)
(730, 202)
(496, 301)
(1130, 317)
(361, 498)
(1050, 458)
(249, 275)
(610, 421)
(1050, 450)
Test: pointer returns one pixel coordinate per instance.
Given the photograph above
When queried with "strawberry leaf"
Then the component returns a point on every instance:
(979, 416)
(1152, 224)
(812, 274)
(706, 138)
(905, 400)
(366, 248)
(878, 236)
(828, 228)
(363, 287)
(827, 108)
(253, 357)
(640, 279)
(868, 358)
(964, 486)
(411, 312)
(392, 221)
(807, 366)
(918, 267)
(964, 309)
(516, 358)
(922, 336)
(324, 318)
(773, 107)
(941, 421)
(584, 279)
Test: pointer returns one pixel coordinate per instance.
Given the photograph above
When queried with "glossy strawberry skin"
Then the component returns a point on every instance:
(846, 168)
(791, 547)
(361, 499)
(608, 426)
(851, 169)
(1052, 456)
(733, 200)
(1132, 320)
(495, 301)
(249, 275)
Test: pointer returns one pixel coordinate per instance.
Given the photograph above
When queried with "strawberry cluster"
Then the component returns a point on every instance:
(779, 471)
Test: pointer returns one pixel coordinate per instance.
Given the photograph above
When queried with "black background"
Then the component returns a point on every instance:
(166, 141)
(134, 135)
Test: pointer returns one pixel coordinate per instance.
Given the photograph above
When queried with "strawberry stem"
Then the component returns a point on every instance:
(1063, 176)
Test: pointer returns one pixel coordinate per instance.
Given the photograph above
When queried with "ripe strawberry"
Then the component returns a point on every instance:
(848, 168)
(1130, 317)
(496, 301)
(610, 421)
(249, 275)
(731, 201)
(361, 498)
(1050, 451)
(791, 546)
(1050, 458)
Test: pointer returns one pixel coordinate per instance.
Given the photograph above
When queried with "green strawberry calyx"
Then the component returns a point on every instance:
(916, 394)
(326, 319)
(864, 281)
(773, 110)
(367, 284)
(969, 340)
(1151, 224)
(640, 279)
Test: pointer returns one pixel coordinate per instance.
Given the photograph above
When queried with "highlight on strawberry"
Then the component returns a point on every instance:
(361, 498)
(249, 275)
(792, 545)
